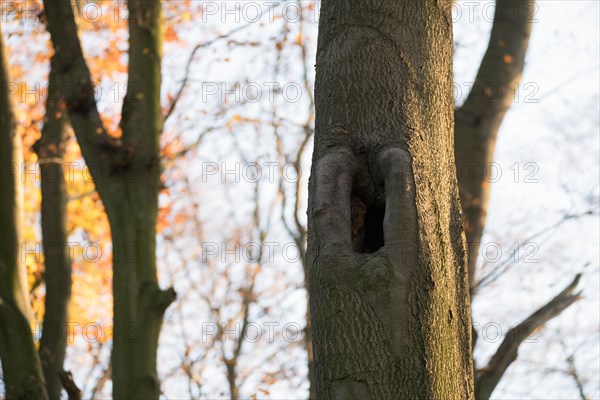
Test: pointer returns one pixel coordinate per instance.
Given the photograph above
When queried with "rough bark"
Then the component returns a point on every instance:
(57, 275)
(386, 250)
(308, 343)
(477, 121)
(23, 376)
(126, 173)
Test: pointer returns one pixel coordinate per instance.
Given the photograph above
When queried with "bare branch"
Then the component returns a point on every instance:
(101, 382)
(198, 47)
(77, 88)
(502, 267)
(576, 377)
(488, 377)
(68, 383)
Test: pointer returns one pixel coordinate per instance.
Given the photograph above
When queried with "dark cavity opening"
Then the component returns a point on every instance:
(367, 226)
(373, 240)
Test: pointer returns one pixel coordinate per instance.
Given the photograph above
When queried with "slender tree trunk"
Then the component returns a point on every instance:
(57, 276)
(478, 120)
(139, 303)
(386, 250)
(23, 377)
(126, 173)
(477, 123)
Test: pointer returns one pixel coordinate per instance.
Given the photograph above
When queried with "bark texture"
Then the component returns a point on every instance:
(57, 275)
(23, 376)
(386, 250)
(126, 173)
(478, 120)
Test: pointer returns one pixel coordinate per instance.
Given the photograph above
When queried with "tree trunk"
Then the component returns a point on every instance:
(386, 250)
(478, 120)
(126, 173)
(139, 303)
(57, 275)
(308, 343)
(477, 123)
(23, 377)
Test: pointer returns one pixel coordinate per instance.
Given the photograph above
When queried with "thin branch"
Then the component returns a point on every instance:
(101, 382)
(169, 159)
(97, 147)
(198, 47)
(575, 375)
(66, 378)
(502, 267)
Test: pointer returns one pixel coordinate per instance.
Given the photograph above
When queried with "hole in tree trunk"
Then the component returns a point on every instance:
(373, 240)
(367, 226)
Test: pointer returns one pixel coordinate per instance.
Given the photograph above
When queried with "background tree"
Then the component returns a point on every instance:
(476, 124)
(57, 274)
(23, 376)
(127, 175)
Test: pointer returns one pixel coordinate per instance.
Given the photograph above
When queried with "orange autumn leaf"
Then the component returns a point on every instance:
(171, 35)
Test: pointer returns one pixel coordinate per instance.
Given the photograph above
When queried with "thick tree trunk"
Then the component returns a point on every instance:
(478, 120)
(23, 377)
(126, 173)
(386, 250)
(57, 276)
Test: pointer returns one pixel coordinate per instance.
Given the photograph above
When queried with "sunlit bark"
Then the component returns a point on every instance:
(386, 251)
